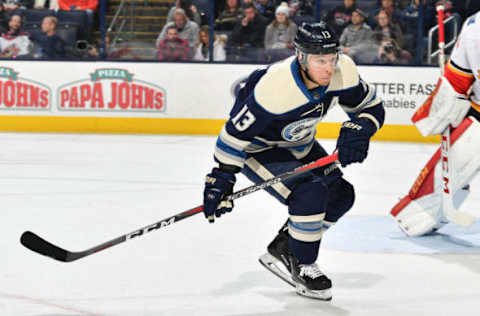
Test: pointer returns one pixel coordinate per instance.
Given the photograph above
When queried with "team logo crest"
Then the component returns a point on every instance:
(300, 129)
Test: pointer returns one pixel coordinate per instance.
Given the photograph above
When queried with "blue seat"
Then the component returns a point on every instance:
(33, 29)
(20, 12)
(74, 17)
(68, 33)
(36, 16)
(77, 19)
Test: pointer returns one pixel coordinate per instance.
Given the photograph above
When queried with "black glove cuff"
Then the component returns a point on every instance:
(229, 168)
(370, 123)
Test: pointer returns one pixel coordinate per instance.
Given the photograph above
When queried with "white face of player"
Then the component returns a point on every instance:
(320, 68)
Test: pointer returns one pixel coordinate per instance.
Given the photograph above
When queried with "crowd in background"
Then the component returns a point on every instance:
(370, 31)
(47, 29)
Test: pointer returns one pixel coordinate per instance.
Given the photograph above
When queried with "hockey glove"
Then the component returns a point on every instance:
(352, 144)
(218, 185)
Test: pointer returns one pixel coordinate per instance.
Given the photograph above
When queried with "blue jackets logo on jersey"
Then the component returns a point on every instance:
(300, 129)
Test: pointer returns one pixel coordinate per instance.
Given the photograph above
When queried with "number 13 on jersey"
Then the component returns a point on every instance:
(243, 120)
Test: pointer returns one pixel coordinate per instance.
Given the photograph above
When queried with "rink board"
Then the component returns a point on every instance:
(172, 98)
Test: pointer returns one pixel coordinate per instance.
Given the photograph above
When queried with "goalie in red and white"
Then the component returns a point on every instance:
(456, 102)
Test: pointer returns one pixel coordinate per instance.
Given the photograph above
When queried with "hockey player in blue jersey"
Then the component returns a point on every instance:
(272, 129)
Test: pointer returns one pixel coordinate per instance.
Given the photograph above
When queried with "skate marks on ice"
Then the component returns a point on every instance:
(275, 290)
(41, 303)
(280, 299)
(379, 234)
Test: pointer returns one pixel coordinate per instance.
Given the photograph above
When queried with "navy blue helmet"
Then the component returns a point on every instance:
(316, 38)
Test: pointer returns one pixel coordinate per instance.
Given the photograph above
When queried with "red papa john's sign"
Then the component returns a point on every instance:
(111, 90)
(22, 94)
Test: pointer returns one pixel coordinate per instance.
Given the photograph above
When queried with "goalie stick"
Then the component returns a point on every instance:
(452, 214)
(39, 245)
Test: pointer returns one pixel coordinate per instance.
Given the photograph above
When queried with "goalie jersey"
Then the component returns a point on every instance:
(462, 70)
(276, 109)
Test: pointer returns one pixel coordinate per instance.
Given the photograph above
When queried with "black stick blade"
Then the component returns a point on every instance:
(43, 247)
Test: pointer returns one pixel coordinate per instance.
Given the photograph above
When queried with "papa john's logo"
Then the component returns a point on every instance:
(300, 129)
(111, 90)
(18, 93)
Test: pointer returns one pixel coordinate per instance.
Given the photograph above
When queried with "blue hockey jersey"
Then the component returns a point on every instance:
(276, 109)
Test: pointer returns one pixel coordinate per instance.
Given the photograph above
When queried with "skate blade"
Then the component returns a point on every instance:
(323, 295)
(272, 265)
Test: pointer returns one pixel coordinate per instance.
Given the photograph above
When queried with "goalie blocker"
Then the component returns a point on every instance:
(420, 212)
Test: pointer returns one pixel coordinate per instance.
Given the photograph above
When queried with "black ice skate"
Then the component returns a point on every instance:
(310, 281)
(278, 252)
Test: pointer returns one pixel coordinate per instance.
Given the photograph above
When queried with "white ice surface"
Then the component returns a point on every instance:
(81, 190)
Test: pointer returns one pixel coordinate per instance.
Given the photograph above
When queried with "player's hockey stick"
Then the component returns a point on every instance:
(452, 214)
(39, 245)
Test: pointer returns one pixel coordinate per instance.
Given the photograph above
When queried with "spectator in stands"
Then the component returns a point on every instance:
(409, 19)
(301, 7)
(89, 6)
(249, 31)
(339, 17)
(388, 28)
(86, 5)
(15, 43)
(49, 44)
(190, 10)
(54, 5)
(173, 48)
(390, 53)
(355, 33)
(280, 34)
(266, 8)
(4, 17)
(229, 16)
(46, 4)
(388, 6)
(247, 38)
(12, 5)
(410, 15)
(42, 4)
(187, 30)
(202, 46)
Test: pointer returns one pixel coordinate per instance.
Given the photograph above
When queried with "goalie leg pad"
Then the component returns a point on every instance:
(420, 212)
